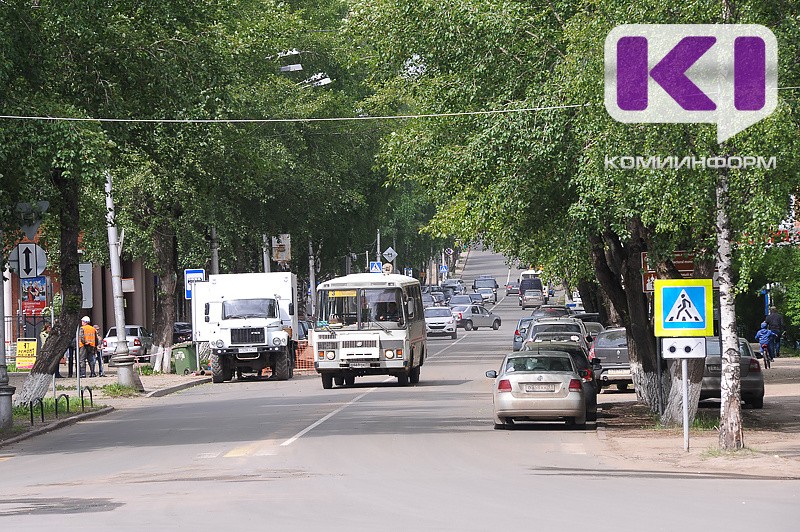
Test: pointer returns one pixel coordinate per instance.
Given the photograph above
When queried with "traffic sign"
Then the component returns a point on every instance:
(28, 260)
(443, 268)
(683, 307)
(683, 347)
(85, 272)
(449, 251)
(191, 276)
(390, 254)
(375, 267)
(409, 272)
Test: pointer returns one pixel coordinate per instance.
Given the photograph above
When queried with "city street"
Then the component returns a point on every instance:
(292, 456)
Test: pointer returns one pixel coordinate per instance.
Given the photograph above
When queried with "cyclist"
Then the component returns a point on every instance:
(764, 338)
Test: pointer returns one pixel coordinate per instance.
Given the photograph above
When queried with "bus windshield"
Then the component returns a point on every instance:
(361, 308)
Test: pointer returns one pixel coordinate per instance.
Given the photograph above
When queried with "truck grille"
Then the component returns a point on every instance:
(326, 336)
(327, 345)
(351, 344)
(247, 336)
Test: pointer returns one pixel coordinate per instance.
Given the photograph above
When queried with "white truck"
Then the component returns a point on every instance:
(249, 321)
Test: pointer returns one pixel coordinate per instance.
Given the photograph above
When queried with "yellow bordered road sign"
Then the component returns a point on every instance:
(684, 307)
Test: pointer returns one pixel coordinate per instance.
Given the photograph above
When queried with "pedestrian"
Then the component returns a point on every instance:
(764, 337)
(775, 323)
(99, 352)
(88, 345)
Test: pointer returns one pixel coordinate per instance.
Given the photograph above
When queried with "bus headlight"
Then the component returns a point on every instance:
(330, 355)
(388, 353)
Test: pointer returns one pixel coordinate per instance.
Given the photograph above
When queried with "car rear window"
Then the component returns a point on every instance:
(437, 312)
(712, 347)
(485, 283)
(550, 312)
(549, 364)
(612, 339)
(556, 327)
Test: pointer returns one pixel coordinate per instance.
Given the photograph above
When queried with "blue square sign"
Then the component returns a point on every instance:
(683, 307)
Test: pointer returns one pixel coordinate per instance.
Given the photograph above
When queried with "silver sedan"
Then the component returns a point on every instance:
(473, 316)
(538, 386)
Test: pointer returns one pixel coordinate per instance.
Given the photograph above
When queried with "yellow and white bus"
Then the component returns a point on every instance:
(369, 324)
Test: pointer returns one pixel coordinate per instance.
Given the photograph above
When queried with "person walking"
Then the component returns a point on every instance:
(764, 337)
(88, 345)
(775, 323)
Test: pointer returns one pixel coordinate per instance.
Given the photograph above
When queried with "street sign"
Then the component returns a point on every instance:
(282, 248)
(409, 272)
(449, 251)
(683, 347)
(443, 268)
(85, 272)
(390, 254)
(387, 268)
(683, 307)
(375, 267)
(28, 260)
(190, 277)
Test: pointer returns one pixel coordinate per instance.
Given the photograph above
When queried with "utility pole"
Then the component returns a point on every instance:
(312, 276)
(265, 252)
(378, 250)
(122, 357)
(6, 391)
(214, 251)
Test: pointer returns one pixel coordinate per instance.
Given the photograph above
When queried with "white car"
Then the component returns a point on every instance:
(140, 342)
(440, 321)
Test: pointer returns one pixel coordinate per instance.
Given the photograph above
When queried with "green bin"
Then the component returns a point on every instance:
(184, 357)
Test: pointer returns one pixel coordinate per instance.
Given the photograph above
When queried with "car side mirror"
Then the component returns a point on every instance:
(492, 374)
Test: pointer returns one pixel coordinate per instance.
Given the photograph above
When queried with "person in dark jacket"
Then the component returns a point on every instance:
(764, 337)
(775, 323)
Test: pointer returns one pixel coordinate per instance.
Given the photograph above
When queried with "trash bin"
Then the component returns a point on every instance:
(184, 357)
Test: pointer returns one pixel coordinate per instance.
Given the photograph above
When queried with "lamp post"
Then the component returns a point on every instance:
(6, 391)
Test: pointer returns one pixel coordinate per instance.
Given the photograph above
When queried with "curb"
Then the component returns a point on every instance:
(57, 425)
(177, 388)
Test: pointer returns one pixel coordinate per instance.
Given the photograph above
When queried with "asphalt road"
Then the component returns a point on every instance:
(292, 456)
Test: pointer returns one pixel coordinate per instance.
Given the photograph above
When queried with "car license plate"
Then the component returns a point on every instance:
(540, 387)
(248, 349)
(359, 364)
(714, 367)
(619, 372)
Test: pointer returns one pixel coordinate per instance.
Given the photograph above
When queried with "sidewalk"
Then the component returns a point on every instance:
(156, 385)
(771, 435)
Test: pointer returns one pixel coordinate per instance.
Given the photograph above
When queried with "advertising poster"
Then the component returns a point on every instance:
(34, 295)
(26, 353)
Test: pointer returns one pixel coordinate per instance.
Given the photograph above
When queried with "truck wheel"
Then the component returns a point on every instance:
(216, 368)
(338, 380)
(282, 363)
(227, 370)
(413, 376)
(402, 380)
(327, 381)
(350, 380)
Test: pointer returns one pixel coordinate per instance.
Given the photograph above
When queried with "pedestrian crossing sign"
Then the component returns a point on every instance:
(684, 307)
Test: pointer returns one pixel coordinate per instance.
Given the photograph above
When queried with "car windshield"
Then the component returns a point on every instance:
(615, 338)
(439, 312)
(539, 364)
(129, 331)
(249, 308)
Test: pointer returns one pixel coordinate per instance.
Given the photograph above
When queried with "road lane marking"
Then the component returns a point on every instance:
(327, 417)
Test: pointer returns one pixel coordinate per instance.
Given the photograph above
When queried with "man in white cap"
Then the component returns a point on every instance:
(88, 344)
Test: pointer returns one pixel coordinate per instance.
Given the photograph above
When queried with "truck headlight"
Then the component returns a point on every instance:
(330, 355)
(220, 344)
(276, 341)
(388, 353)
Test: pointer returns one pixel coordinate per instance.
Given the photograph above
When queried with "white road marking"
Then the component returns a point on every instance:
(327, 417)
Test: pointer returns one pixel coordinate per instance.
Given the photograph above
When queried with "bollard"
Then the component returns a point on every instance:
(66, 398)
(41, 408)
(91, 400)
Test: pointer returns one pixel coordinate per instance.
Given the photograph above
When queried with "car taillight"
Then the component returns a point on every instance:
(575, 385)
(504, 386)
(105, 344)
(755, 365)
(460, 316)
(516, 333)
(136, 341)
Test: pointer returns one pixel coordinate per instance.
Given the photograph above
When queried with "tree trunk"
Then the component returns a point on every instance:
(673, 411)
(590, 295)
(66, 325)
(731, 435)
(164, 246)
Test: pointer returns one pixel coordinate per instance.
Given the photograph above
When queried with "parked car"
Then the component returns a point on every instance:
(471, 317)
(532, 298)
(181, 332)
(440, 321)
(580, 357)
(460, 299)
(593, 328)
(140, 342)
(488, 294)
(512, 288)
(519, 332)
(533, 386)
(550, 311)
(751, 377)
(611, 348)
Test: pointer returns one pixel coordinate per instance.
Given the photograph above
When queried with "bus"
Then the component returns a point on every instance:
(369, 324)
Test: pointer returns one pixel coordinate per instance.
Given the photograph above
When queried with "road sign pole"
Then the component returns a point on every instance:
(685, 377)
(6, 391)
